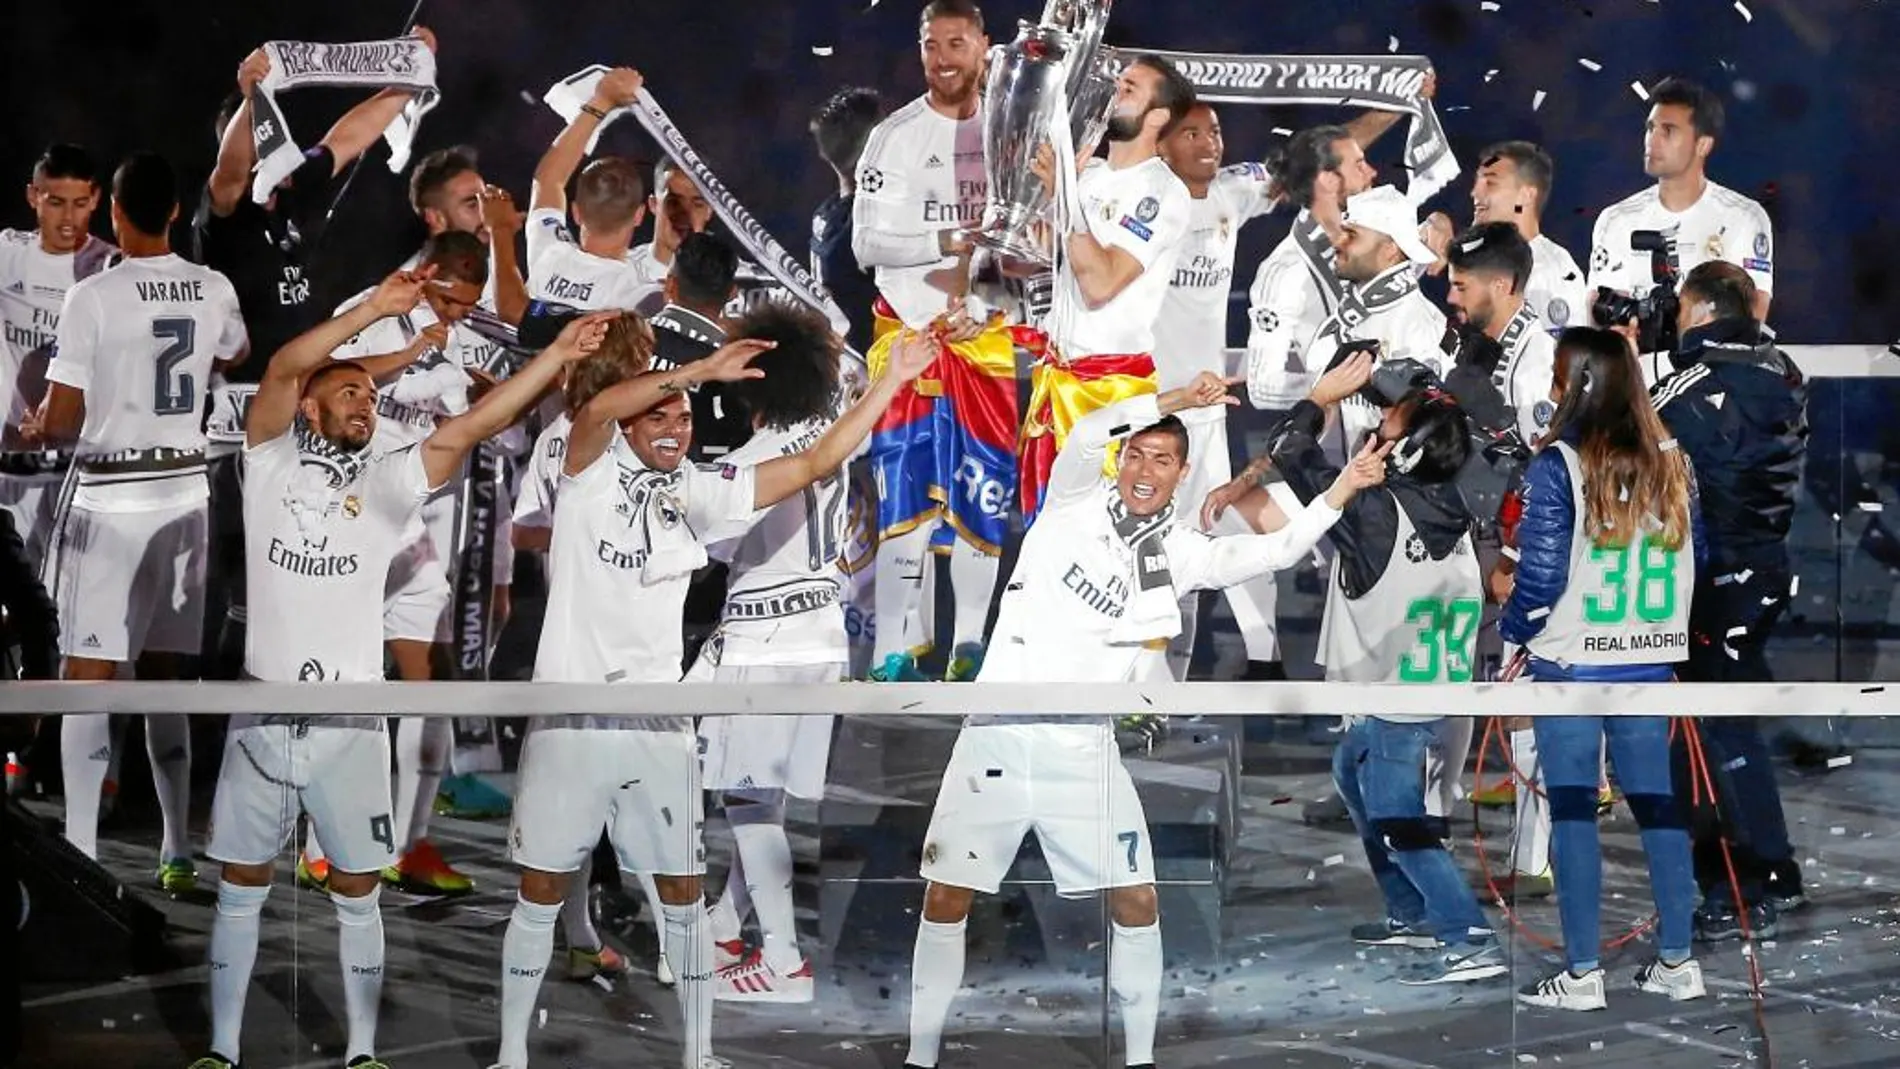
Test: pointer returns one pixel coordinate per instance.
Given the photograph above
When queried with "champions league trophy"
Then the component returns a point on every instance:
(1027, 80)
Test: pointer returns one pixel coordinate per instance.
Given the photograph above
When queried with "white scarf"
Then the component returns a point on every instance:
(1154, 612)
(566, 98)
(404, 62)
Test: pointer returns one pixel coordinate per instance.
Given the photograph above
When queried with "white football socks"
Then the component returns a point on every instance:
(936, 971)
(768, 881)
(577, 915)
(688, 942)
(168, 745)
(359, 946)
(85, 752)
(233, 954)
(525, 951)
(972, 584)
(898, 589)
(1134, 976)
(422, 753)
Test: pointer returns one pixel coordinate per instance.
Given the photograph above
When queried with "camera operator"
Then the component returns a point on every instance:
(1737, 407)
(1694, 219)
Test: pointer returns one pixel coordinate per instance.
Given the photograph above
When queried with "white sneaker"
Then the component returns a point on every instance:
(728, 952)
(663, 971)
(753, 980)
(1566, 991)
(1680, 982)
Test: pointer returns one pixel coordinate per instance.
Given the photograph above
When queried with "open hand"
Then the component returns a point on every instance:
(914, 352)
(733, 361)
(582, 336)
(1343, 381)
(401, 291)
(1437, 234)
(1221, 498)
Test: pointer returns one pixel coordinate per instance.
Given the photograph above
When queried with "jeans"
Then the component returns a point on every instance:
(1568, 748)
(1379, 768)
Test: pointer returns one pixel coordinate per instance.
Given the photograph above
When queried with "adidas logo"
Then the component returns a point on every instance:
(933, 161)
(103, 753)
(17, 287)
(91, 642)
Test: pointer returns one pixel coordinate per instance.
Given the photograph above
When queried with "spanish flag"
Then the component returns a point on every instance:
(1063, 392)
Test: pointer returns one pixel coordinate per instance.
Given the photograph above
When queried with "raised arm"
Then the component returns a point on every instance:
(617, 88)
(358, 129)
(237, 153)
(275, 405)
(598, 419)
(504, 223)
(444, 450)
(1372, 124)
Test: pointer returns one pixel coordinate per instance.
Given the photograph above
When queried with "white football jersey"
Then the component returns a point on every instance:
(616, 581)
(33, 285)
(535, 506)
(782, 599)
(319, 536)
(1406, 326)
(1523, 375)
(1291, 296)
(560, 272)
(139, 341)
(1144, 211)
(1721, 225)
(1191, 332)
(921, 173)
(1557, 290)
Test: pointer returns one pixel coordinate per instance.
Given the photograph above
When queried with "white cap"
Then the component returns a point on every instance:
(1385, 210)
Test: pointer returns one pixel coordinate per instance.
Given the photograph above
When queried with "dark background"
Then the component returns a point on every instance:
(1814, 101)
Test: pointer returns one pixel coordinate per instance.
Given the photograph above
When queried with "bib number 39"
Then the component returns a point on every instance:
(1443, 645)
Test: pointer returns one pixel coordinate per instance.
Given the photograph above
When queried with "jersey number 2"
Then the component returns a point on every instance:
(173, 392)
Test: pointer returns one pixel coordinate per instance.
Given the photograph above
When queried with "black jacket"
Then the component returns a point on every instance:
(1368, 530)
(1738, 407)
(720, 425)
(31, 621)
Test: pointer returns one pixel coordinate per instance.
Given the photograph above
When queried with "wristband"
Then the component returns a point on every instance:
(590, 109)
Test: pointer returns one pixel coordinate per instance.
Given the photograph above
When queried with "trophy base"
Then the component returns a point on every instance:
(1012, 245)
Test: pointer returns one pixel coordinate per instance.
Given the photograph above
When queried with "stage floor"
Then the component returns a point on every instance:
(1284, 988)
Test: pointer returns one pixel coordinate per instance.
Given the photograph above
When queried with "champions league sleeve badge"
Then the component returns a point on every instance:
(1147, 209)
(1557, 312)
(871, 180)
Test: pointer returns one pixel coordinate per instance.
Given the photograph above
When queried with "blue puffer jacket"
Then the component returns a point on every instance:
(1543, 566)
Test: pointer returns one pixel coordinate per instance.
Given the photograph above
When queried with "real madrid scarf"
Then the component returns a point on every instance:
(403, 63)
(566, 98)
(1360, 303)
(1319, 255)
(1154, 612)
(1384, 83)
(339, 466)
(673, 550)
(1519, 330)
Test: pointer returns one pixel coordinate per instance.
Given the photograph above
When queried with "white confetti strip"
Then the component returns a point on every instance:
(1335, 859)
(1391, 44)
(1837, 830)
(1841, 762)
(1589, 64)
(1537, 101)
(1637, 88)
(821, 50)
(1742, 9)
(1872, 506)
(1488, 5)
(1490, 74)
(1282, 131)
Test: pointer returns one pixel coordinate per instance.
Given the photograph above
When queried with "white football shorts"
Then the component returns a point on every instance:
(338, 775)
(641, 786)
(789, 753)
(130, 582)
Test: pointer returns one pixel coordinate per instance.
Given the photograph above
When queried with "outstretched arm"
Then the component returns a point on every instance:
(358, 129)
(442, 451)
(275, 405)
(781, 477)
(616, 89)
(597, 420)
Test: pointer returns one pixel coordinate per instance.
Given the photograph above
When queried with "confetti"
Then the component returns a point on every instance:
(1488, 5)
(527, 97)
(1589, 64)
(1637, 88)
(1840, 762)
(1391, 44)
(1872, 506)
(1282, 131)
(821, 50)
(1837, 830)
(1742, 9)
(1537, 101)
(1490, 74)
(1335, 859)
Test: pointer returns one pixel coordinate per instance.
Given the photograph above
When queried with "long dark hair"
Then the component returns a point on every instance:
(1631, 483)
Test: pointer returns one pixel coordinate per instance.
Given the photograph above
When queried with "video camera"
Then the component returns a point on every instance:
(1655, 311)
(1392, 381)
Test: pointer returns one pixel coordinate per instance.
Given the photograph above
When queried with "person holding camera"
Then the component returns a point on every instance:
(1403, 607)
(1686, 219)
(1737, 407)
(1609, 546)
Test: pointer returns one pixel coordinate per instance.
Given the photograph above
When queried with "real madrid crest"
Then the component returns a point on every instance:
(668, 509)
(1226, 227)
(1712, 248)
(352, 506)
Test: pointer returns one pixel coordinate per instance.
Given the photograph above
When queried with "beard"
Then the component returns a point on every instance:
(957, 90)
(1123, 127)
(342, 434)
